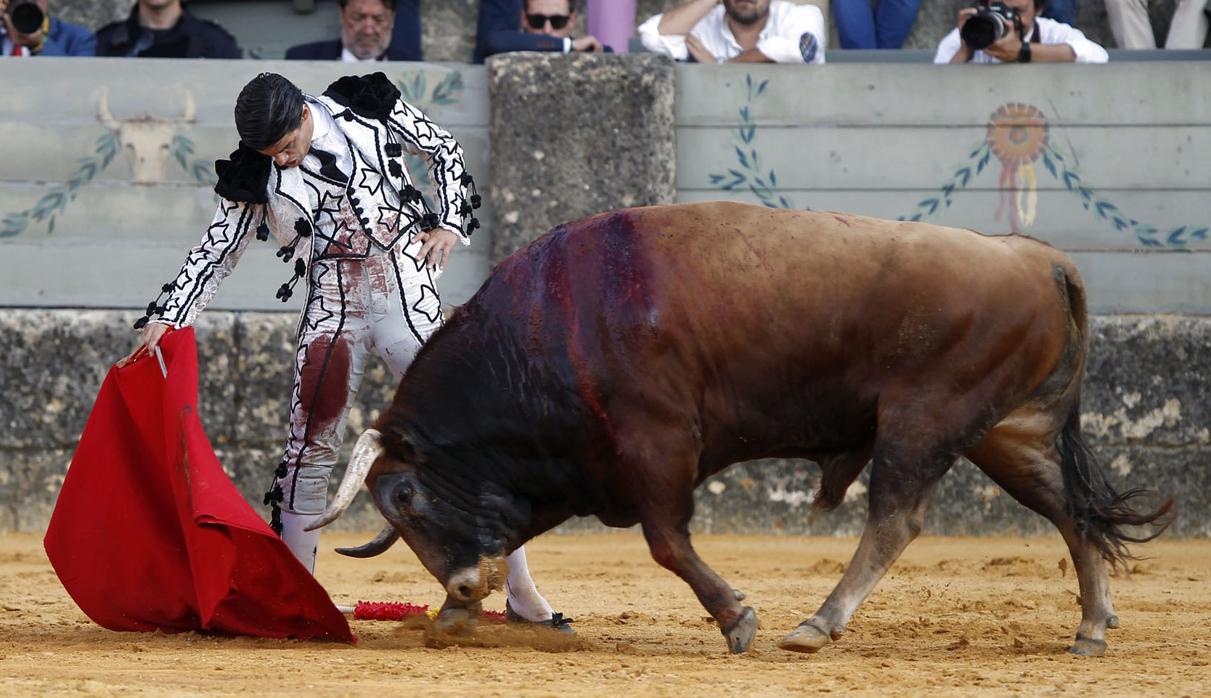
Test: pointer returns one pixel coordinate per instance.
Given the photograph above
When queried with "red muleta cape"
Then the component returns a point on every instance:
(149, 533)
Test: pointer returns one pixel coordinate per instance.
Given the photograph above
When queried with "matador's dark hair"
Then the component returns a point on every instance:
(269, 107)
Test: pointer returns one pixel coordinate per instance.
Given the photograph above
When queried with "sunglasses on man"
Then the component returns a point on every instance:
(538, 21)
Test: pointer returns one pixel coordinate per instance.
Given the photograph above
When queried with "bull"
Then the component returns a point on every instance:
(613, 365)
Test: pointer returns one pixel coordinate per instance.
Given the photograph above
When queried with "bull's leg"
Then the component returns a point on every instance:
(899, 489)
(1019, 455)
(668, 538)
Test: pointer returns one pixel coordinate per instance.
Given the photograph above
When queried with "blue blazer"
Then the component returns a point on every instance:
(67, 39)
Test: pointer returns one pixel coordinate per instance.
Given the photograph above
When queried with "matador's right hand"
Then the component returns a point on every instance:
(151, 335)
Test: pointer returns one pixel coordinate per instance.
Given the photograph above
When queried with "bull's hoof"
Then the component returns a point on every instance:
(1112, 622)
(457, 620)
(806, 638)
(1086, 647)
(740, 634)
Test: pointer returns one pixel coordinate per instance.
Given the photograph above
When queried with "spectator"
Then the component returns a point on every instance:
(885, 25)
(1132, 29)
(1061, 11)
(367, 29)
(1041, 39)
(165, 29)
(53, 37)
(738, 31)
(546, 25)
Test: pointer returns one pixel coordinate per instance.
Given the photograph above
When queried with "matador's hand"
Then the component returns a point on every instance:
(438, 243)
(149, 340)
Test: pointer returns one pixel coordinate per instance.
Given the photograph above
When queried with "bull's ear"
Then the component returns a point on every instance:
(399, 445)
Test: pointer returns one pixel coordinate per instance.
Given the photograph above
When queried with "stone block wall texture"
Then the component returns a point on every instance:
(576, 135)
(1144, 413)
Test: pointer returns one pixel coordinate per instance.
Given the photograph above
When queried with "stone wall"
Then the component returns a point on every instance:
(573, 136)
(1144, 412)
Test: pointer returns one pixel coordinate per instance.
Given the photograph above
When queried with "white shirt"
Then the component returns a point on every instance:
(792, 34)
(348, 57)
(1050, 32)
(6, 49)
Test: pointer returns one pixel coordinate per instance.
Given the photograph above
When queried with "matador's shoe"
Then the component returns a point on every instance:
(557, 621)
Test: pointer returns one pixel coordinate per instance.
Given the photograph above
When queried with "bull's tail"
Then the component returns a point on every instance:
(1099, 511)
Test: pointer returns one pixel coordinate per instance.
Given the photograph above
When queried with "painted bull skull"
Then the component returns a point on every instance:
(147, 138)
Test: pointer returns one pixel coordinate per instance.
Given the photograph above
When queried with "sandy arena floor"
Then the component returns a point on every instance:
(955, 616)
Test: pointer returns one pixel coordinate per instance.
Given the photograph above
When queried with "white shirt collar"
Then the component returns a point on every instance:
(321, 120)
(348, 57)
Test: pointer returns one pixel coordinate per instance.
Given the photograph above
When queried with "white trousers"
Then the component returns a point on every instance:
(355, 308)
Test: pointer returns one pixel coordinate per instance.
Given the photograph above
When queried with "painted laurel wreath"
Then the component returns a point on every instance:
(414, 88)
(1018, 136)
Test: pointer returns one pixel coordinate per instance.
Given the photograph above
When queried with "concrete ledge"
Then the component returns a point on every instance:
(1145, 414)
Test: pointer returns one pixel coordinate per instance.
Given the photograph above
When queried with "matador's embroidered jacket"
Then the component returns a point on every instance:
(260, 199)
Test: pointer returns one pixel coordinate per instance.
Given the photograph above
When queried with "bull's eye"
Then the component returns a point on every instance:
(403, 495)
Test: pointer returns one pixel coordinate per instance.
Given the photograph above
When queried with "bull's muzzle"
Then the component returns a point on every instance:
(472, 584)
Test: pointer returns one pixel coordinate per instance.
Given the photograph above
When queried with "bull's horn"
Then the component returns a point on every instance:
(103, 115)
(379, 545)
(191, 107)
(365, 452)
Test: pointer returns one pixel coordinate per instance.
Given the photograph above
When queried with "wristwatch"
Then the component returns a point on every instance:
(1024, 52)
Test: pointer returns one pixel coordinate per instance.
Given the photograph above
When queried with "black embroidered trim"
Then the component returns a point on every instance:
(287, 289)
(245, 177)
(273, 498)
(372, 96)
(154, 308)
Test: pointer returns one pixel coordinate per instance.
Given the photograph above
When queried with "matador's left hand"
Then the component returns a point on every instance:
(438, 243)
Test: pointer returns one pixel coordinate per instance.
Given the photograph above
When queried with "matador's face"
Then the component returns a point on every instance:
(291, 148)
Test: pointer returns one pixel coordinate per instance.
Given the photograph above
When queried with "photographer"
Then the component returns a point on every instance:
(27, 29)
(1012, 32)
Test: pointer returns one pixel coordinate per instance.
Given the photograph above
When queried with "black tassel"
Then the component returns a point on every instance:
(429, 221)
(280, 472)
(168, 287)
(262, 231)
(464, 210)
(142, 322)
(285, 252)
(393, 150)
(472, 226)
(476, 201)
(285, 292)
(300, 267)
(302, 227)
(395, 170)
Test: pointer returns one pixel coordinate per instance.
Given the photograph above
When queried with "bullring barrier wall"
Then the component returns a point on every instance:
(128, 186)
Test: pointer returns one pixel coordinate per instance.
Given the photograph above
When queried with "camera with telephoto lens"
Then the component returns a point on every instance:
(26, 16)
(992, 21)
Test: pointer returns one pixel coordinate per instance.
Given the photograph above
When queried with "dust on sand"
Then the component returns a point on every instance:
(956, 616)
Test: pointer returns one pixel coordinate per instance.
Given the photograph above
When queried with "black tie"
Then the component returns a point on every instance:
(328, 166)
